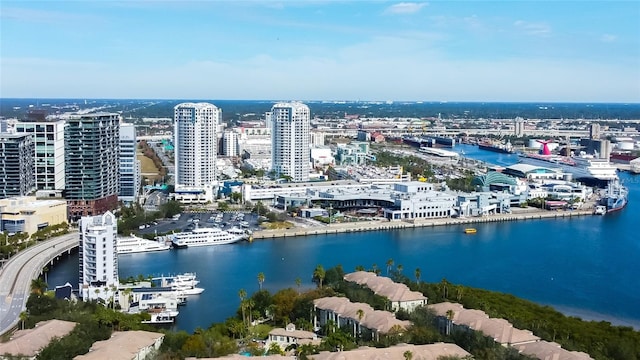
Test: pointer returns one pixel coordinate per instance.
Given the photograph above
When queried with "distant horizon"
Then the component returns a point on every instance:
(333, 100)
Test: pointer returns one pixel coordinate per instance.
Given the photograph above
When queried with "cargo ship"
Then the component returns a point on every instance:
(615, 197)
(496, 147)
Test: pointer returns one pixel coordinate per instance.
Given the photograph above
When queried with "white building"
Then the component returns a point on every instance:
(317, 138)
(196, 145)
(98, 255)
(230, 143)
(49, 153)
(321, 156)
(290, 140)
(129, 164)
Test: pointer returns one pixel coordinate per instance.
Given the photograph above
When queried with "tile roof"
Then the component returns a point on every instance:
(419, 352)
(384, 286)
(123, 345)
(30, 341)
(381, 321)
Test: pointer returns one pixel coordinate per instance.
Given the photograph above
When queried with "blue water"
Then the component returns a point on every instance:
(586, 266)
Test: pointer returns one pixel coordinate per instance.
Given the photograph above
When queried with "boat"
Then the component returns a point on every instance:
(582, 167)
(496, 147)
(134, 244)
(183, 284)
(206, 237)
(615, 197)
(600, 210)
(470, 231)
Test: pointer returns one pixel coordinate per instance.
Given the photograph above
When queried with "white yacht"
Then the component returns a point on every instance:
(205, 237)
(183, 284)
(134, 244)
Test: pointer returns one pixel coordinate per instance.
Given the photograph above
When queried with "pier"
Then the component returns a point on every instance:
(417, 223)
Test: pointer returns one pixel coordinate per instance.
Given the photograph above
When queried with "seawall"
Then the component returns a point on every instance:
(408, 224)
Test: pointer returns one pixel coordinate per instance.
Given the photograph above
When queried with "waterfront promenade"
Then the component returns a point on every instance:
(17, 273)
(408, 224)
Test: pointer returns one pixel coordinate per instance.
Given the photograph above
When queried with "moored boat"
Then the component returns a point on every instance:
(615, 197)
(206, 237)
(134, 244)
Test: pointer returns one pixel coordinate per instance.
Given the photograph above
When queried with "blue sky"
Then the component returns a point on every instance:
(582, 51)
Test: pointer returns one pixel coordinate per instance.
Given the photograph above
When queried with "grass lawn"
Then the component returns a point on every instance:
(277, 225)
(148, 168)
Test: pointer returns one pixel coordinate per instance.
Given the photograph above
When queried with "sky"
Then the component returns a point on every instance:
(553, 51)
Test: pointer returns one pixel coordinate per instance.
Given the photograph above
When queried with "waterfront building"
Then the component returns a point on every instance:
(230, 143)
(290, 140)
(530, 172)
(98, 255)
(195, 141)
(26, 214)
(486, 203)
(399, 295)
(419, 200)
(129, 164)
(17, 171)
(92, 162)
(361, 318)
(49, 150)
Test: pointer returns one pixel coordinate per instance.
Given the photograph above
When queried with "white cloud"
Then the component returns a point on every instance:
(405, 8)
(608, 38)
(533, 28)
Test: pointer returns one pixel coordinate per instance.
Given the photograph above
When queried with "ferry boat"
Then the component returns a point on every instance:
(580, 167)
(615, 197)
(205, 237)
(134, 244)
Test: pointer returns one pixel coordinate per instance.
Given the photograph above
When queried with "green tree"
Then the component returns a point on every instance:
(38, 286)
(389, 265)
(242, 294)
(318, 275)
(418, 273)
(260, 279)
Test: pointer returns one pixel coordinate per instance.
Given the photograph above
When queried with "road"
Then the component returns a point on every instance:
(17, 273)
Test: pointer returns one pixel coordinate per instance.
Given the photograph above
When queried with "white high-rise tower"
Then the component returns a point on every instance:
(195, 144)
(290, 154)
(98, 255)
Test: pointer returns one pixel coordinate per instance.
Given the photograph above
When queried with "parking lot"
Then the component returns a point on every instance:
(188, 221)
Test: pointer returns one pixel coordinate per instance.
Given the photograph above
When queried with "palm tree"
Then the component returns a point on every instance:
(359, 268)
(418, 273)
(399, 268)
(38, 286)
(389, 265)
(242, 294)
(23, 318)
(450, 314)
(408, 355)
(318, 275)
(298, 283)
(260, 279)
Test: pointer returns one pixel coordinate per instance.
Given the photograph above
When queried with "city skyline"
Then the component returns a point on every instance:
(327, 50)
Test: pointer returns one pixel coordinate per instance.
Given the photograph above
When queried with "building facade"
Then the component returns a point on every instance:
(195, 144)
(230, 143)
(49, 151)
(290, 154)
(26, 214)
(98, 255)
(17, 170)
(129, 164)
(92, 162)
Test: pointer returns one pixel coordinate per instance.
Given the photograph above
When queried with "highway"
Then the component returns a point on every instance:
(17, 273)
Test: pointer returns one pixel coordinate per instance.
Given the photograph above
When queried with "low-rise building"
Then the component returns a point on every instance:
(400, 296)
(26, 344)
(125, 345)
(421, 352)
(361, 318)
(289, 336)
(27, 214)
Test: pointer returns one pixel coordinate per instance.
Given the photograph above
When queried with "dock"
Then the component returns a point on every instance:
(417, 223)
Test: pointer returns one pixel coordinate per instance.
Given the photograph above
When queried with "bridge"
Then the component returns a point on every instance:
(17, 273)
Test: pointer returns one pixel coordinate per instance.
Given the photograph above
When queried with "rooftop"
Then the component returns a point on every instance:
(421, 352)
(30, 341)
(123, 345)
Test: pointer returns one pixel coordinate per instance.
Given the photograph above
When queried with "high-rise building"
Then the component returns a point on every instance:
(97, 254)
(17, 172)
(594, 131)
(230, 143)
(91, 164)
(196, 145)
(519, 127)
(290, 154)
(129, 164)
(49, 150)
